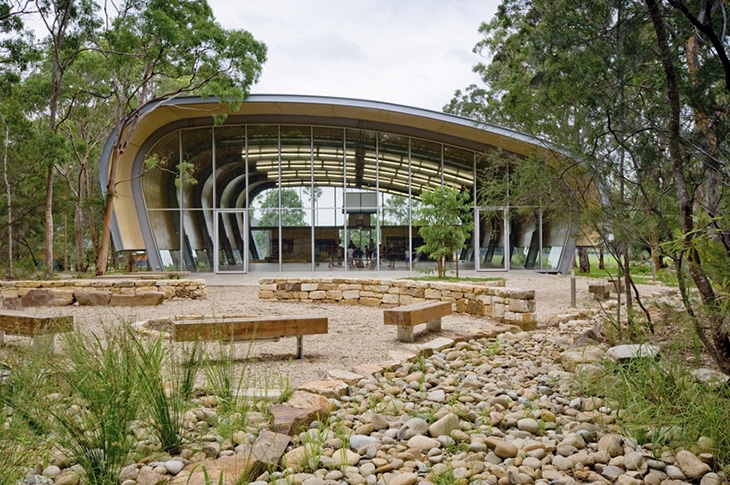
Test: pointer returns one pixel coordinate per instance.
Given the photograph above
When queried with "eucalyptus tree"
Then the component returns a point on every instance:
(644, 116)
(86, 127)
(570, 72)
(163, 49)
(68, 24)
(699, 170)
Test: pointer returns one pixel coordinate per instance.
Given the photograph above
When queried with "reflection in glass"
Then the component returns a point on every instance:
(312, 191)
(166, 228)
(265, 230)
(231, 229)
(159, 182)
(524, 239)
(555, 236)
(296, 236)
(230, 175)
(491, 233)
(198, 241)
(197, 166)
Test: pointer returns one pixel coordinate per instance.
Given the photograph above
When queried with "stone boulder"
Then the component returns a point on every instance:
(88, 297)
(48, 297)
(146, 298)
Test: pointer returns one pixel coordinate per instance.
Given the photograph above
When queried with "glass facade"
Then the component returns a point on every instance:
(270, 197)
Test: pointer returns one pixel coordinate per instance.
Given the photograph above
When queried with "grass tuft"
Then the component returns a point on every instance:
(661, 402)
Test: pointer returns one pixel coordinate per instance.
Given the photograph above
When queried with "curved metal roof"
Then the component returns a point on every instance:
(165, 115)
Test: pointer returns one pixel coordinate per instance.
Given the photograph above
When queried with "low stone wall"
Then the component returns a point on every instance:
(509, 305)
(106, 291)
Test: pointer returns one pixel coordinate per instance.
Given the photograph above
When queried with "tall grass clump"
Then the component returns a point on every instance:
(222, 380)
(23, 382)
(166, 380)
(95, 425)
(661, 402)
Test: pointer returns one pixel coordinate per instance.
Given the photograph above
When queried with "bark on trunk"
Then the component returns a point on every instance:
(585, 264)
(712, 335)
(80, 266)
(49, 222)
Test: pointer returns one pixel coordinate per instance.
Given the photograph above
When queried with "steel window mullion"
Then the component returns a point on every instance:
(313, 217)
(279, 210)
(344, 196)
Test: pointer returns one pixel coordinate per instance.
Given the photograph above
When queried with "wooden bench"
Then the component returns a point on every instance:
(249, 328)
(406, 317)
(41, 328)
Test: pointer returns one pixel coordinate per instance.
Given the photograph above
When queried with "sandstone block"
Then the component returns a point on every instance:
(432, 294)
(89, 297)
(332, 389)
(475, 307)
(149, 298)
(521, 306)
(498, 311)
(371, 302)
(48, 297)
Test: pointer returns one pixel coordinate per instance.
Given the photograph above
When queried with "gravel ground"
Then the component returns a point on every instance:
(356, 334)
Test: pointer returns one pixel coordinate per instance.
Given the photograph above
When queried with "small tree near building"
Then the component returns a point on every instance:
(445, 221)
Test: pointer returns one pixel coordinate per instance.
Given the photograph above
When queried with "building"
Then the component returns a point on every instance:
(290, 183)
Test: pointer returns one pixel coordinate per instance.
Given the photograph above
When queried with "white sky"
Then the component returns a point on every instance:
(409, 52)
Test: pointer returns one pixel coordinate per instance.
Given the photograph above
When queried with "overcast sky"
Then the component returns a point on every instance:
(409, 52)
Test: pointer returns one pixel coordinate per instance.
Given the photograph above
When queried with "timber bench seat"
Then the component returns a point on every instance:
(601, 291)
(407, 317)
(249, 328)
(41, 328)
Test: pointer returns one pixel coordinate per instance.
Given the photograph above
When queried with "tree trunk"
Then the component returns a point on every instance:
(712, 335)
(585, 264)
(601, 262)
(49, 222)
(8, 193)
(131, 262)
(80, 266)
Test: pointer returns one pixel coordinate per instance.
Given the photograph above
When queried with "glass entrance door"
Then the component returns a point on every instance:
(231, 242)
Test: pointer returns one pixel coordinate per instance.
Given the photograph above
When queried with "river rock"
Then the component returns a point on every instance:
(690, 465)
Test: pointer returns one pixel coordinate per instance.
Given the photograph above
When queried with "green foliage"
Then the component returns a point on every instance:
(445, 221)
(102, 377)
(164, 386)
(396, 210)
(294, 214)
(662, 403)
(450, 279)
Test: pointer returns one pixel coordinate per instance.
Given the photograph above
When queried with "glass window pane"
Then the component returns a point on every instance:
(230, 178)
(491, 245)
(425, 165)
(296, 156)
(524, 239)
(198, 241)
(361, 160)
(555, 235)
(159, 181)
(459, 168)
(328, 156)
(231, 227)
(166, 231)
(197, 160)
(393, 163)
